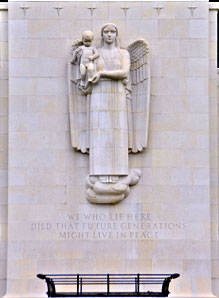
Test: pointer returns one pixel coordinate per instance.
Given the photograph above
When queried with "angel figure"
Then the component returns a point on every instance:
(110, 120)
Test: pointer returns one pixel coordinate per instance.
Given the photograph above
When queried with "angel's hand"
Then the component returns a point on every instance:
(96, 77)
(91, 58)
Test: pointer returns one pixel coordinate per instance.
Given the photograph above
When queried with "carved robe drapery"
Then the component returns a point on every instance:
(109, 118)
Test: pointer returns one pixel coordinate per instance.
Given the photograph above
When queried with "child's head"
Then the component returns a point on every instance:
(87, 38)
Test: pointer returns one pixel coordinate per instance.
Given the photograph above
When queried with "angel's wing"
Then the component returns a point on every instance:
(140, 92)
(78, 110)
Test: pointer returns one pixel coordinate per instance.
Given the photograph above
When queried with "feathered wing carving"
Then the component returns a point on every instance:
(140, 93)
(78, 109)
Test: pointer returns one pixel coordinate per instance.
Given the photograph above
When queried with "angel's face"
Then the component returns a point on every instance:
(109, 34)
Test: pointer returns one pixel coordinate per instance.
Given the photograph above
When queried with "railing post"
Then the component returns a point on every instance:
(77, 284)
(51, 287)
(81, 285)
(138, 280)
(108, 283)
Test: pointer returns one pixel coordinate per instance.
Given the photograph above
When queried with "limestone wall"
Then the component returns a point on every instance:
(178, 191)
(3, 144)
(213, 141)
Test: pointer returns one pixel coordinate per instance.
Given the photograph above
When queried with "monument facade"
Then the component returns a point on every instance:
(77, 132)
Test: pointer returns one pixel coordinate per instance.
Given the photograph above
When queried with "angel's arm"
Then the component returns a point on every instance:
(119, 74)
(116, 74)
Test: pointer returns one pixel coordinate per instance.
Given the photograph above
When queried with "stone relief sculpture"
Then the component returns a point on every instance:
(109, 111)
(84, 52)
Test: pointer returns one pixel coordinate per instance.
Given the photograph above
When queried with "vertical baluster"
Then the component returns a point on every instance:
(78, 284)
(138, 286)
(108, 283)
(81, 285)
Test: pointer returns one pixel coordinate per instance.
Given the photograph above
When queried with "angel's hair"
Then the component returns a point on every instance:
(115, 27)
(109, 24)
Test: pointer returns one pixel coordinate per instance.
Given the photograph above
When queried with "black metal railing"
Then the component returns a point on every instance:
(75, 285)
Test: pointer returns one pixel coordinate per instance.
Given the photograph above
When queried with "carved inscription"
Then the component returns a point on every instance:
(138, 226)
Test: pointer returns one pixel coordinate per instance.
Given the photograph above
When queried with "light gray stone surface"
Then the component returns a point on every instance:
(46, 187)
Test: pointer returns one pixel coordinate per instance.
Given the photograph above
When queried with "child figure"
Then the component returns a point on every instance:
(88, 54)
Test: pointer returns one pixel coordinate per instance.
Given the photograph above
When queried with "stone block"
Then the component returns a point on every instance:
(212, 69)
(161, 176)
(197, 86)
(196, 158)
(43, 28)
(53, 47)
(40, 176)
(199, 28)
(3, 160)
(173, 28)
(161, 265)
(4, 70)
(138, 265)
(3, 16)
(3, 124)
(23, 48)
(181, 176)
(196, 122)
(170, 122)
(53, 86)
(16, 177)
(39, 67)
(3, 235)
(191, 267)
(197, 48)
(196, 250)
(3, 107)
(23, 86)
(3, 195)
(156, 66)
(72, 29)
(174, 104)
(20, 122)
(3, 286)
(19, 104)
(175, 67)
(4, 50)
(166, 48)
(155, 141)
(213, 88)
(198, 104)
(213, 50)
(18, 29)
(142, 29)
(4, 31)
(198, 67)
(196, 193)
(168, 86)
(26, 267)
(167, 158)
(212, 31)
(3, 88)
